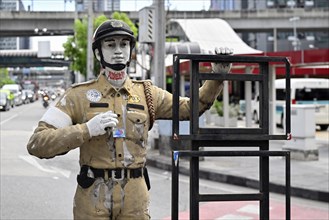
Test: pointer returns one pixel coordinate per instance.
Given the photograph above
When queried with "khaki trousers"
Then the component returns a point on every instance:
(127, 199)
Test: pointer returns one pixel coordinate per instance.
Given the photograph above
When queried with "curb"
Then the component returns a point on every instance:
(243, 181)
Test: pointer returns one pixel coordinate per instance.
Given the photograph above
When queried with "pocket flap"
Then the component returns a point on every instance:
(137, 117)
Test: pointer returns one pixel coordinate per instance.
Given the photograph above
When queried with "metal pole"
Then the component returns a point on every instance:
(288, 187)
(296, 40)
(159, 45)
(272, 99)
(175, 185)
(194, 184)
(295, 35)
(182, 85)
(264, 170)
(248, 95)
(90, 58)
(226, 104)
(275, 40)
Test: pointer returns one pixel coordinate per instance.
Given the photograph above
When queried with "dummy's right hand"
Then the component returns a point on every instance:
(100, 122)
(222, 67)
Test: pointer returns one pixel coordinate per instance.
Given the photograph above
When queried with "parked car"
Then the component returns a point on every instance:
(10, 96)
(5, 104)
(17, 90)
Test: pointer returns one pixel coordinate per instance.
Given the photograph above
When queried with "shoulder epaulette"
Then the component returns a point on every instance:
(141, 81)
(83, 83)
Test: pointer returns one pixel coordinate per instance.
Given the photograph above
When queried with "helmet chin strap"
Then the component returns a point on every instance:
(117, 67)
(116, 73)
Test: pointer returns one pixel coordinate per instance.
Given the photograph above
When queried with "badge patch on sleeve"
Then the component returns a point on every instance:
(93, 95)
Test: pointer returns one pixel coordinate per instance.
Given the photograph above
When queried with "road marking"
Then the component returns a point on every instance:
(252, 209)
(15, 115)
(8, 119)
(165, 175)
(234, 217)
(34, 162)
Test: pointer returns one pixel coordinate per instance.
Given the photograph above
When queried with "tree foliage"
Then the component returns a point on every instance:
(4, 77)
(75, 48)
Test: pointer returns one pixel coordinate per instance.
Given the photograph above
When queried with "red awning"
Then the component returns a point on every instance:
(310, 63)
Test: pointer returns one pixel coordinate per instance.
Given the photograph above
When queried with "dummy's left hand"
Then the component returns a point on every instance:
(222, 67)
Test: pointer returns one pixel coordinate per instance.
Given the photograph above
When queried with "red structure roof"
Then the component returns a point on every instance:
(304, 63)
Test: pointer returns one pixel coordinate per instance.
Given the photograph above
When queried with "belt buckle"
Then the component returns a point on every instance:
(122, 175)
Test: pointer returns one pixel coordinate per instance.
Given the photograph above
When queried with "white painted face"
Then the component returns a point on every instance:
(116, 50)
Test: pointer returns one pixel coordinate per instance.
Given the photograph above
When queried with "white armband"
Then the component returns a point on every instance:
(57, 118)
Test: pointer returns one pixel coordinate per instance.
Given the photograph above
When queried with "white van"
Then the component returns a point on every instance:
(313, 91)
(17, 90)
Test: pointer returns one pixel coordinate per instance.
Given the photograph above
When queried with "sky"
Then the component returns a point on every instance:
(56, 42)
(126, 5)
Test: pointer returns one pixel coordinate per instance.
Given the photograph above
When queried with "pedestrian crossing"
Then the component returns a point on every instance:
(249, 210)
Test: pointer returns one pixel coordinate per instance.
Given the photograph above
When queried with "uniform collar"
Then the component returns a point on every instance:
(107, 88)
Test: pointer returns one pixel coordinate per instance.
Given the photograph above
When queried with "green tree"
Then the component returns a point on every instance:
(75, 48)
(4, 77)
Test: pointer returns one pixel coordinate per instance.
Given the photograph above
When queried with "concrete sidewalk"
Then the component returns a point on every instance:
(309, 179)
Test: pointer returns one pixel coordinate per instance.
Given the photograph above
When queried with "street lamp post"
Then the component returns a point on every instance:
(90, 58)
(296, 40)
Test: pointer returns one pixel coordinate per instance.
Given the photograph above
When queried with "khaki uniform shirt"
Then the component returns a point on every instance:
(83, 101)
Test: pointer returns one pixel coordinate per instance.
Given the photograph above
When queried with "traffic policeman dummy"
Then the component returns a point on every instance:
(108, 120)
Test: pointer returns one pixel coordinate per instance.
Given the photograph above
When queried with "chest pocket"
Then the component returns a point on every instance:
(92, 113)
(136, 125)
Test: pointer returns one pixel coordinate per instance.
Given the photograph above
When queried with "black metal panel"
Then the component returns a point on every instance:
(264, 170)
(237, 77)
(217, 131)
(262, 196)
(238, 137)
(194, 126)
(175, 89)
(230, 197)
(288, 98)
(231, 136)
(288, 189)
(187, 153)
(195, 78)
(174, 190)
(194, 184)
(264, 97)
(230, 59)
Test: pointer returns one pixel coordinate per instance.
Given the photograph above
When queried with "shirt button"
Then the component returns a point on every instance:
(118, 95)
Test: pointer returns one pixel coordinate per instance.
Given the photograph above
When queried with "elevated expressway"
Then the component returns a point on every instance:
(23, 23)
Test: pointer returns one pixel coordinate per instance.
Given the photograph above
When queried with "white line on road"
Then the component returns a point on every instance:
(34, 162)
(15, 115)
(182, 179)
(8, 119)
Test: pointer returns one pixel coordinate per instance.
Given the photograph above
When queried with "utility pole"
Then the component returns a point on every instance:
(296, 40)
(90, 58)
(159, 45)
